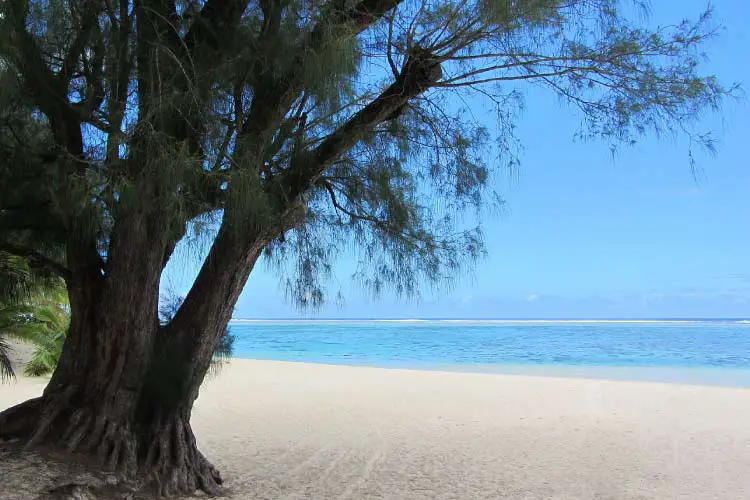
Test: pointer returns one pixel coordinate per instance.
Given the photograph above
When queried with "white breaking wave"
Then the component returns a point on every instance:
(489, 321)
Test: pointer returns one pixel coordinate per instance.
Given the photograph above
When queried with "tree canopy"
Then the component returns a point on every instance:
(344, 115)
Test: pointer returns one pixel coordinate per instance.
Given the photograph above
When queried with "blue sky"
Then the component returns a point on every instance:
(586, 235)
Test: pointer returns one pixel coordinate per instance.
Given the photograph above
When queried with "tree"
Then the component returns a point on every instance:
(301, 127)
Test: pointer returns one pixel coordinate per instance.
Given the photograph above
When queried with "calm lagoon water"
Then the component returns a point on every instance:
(714, 352)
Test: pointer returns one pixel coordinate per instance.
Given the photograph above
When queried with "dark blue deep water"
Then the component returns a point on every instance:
(502, 345)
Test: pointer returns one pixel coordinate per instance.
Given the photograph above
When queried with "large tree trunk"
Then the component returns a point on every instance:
(168, 451)
(182, 356)
(90, 403)
(125, 387)
(88, 407)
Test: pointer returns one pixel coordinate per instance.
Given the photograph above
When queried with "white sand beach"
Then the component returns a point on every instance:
(293, 430)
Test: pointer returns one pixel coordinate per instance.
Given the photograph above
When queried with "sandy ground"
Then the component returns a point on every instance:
(286, 430)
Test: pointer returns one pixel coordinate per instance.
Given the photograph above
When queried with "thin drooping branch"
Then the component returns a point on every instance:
(359, 214)
(379, 223)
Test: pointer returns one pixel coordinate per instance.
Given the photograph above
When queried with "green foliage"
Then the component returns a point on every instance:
(41, 320)
(46, 354)
(33, 308)
(293, 123)
(6, 367)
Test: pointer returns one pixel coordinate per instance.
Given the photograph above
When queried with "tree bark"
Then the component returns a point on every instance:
(89, 405)
(124, 389)
(182, 355)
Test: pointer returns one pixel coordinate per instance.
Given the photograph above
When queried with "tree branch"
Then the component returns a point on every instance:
(420, 72)
(210, 26)
(93, 72)
(274, 94)
(360, 215)
(46, 90)
(89, 20)
(36, 259)
(121, 64)
(358, 17)
(379, 223)
(271, 18)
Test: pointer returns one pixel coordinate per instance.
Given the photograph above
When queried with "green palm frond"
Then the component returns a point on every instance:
(6, 367)
(16, 280)
(33, 308)
(45, 356)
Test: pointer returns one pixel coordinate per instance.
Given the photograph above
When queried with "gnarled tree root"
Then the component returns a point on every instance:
(19, 421)
(165, 460)
(174, 462)
(92, 431)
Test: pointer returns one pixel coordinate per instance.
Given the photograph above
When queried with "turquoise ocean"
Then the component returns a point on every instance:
(713, 352)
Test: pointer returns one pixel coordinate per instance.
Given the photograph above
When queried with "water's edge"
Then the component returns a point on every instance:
(717, 377)
(715, 352)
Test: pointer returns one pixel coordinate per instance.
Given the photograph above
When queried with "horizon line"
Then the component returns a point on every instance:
(646, 319)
